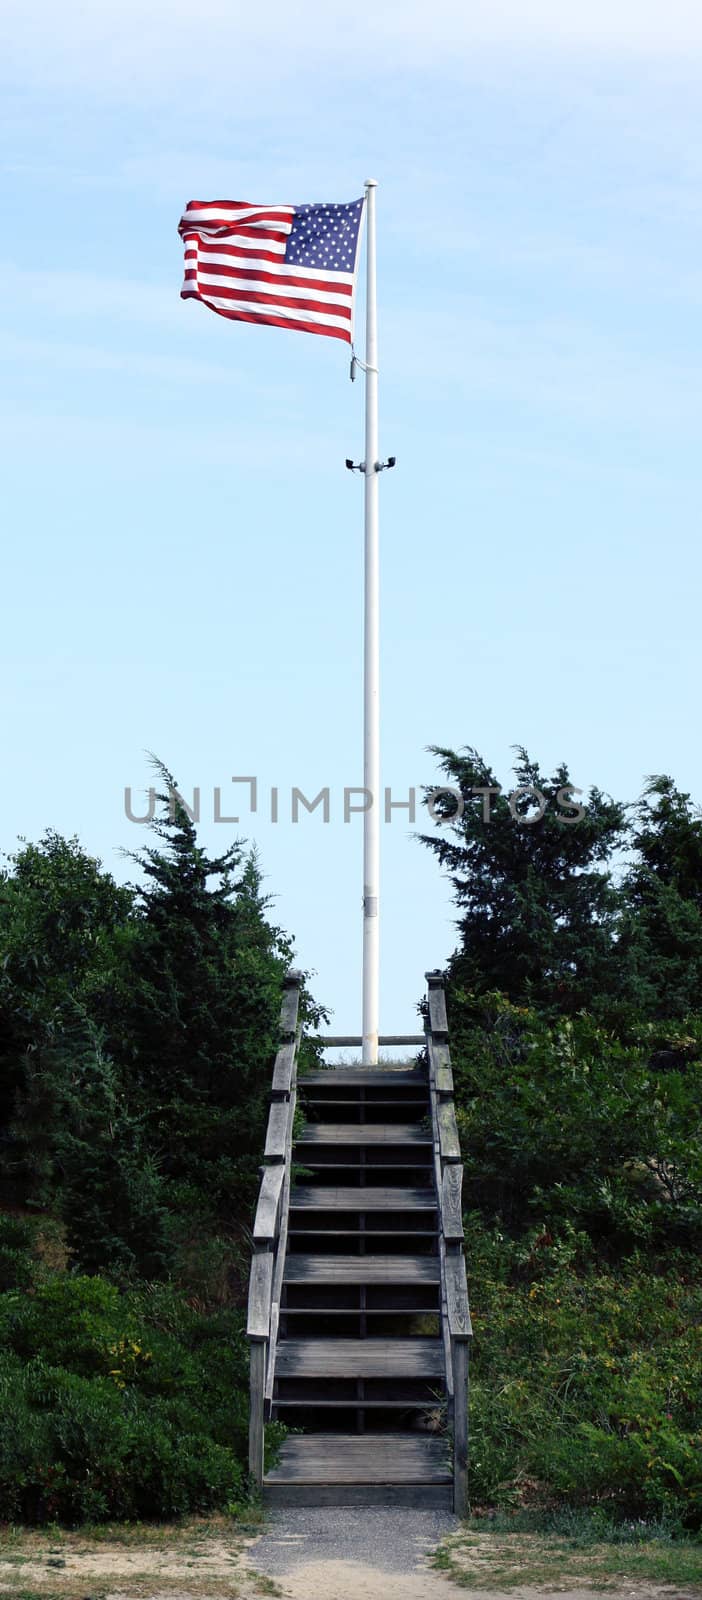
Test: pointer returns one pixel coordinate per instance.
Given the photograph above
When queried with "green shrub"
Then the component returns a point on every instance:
(17, 1251)
(118, 1404)
(565, 1123)
(586, 1381)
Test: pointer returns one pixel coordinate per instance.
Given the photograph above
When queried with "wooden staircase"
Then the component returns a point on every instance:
(357, 1293)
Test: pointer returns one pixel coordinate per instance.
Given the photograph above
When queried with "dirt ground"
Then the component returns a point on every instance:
(206, 1562)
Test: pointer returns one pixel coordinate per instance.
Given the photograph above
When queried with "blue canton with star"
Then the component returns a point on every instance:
(325, 237)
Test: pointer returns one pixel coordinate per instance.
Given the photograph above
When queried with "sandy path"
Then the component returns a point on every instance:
(373, 1553)
(384, 1553)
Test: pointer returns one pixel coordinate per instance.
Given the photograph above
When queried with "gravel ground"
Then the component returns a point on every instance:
(392, 1538)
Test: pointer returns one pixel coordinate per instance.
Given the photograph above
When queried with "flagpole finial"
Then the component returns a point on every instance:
(371, 183)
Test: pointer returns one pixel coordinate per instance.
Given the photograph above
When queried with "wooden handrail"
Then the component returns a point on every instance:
(271, 1224)
(448, 1173)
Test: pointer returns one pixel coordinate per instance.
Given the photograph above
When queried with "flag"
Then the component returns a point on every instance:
(289, 266)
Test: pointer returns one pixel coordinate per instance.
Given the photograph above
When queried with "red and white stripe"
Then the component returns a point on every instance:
(234, 264)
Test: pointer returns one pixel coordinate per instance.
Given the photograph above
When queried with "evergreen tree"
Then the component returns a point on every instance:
(63, 921)
(537, 903)
(201, 1003)
(661, 934)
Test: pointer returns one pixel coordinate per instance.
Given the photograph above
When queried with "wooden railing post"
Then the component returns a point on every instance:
(270, 1227)
(257, 1382)
(459, 1348)
(455, 1311)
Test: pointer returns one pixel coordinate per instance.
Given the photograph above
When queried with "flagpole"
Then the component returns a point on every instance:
(371, 661)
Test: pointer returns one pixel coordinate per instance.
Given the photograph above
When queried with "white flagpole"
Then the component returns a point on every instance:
(371, 662)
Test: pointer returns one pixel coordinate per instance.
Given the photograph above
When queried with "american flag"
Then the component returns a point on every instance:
(290, 266)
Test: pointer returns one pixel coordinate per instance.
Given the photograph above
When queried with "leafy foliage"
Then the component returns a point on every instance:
(562, 1121)
(117, 1405)
(587, 1379)
(137, 1031)
(661, 925)
(200, 1009)
(535, 894)
(576, 1041)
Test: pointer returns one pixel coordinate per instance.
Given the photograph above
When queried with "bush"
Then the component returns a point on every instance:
(118, 1405)
(587, 1383)
(566, 1123)
(17, 1243)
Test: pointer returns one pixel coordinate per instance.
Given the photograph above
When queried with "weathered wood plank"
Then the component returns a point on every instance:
(272, 1351)
(283, 1068)
(332, 1041)
(374, 1230)
(364, 1446)
(322, 1404)
(362, 1269)
(451, 1212)
(360, 1358)
(391, 1133)
(438, 1021)
(257, 1358)
(441, 1065)
(359, 1458)
(460, 1427)
(284, 1212)
(446, 1337)
(277, 1131)
(312, 1312)
(421, 1495)
(260, 1289)
(412, 1102)
(320, 1198)
(364, 1078)
(265, 1225)
(290, 1006)
(448, 1132)
(457, 1296)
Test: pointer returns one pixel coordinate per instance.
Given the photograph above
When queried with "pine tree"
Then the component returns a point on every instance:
(661, 935)
(537, 903)
(202, 996)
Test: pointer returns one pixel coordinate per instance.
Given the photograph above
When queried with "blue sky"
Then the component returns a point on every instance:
(181, 561)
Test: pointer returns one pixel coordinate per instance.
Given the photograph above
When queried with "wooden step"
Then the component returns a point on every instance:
(320, 1198)
(369, 1234)
(361, 1458)
(369, 1105)
(360, 1469)
(364, 1078)
(360, 1358)
(356, 1405)
(386, 1133)
(362, 1269)
(321, 1312)
(313, 1163)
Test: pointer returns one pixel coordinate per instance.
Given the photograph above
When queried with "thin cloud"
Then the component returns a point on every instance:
(237, 53)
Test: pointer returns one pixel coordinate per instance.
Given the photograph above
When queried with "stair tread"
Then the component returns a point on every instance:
(360, 1358)
(362, 1269)
(369, 1105)
(322, 1404)
(364, 1077)
(390, 1133)
(318, 1197)
(355, 1311)
(361, 1458)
